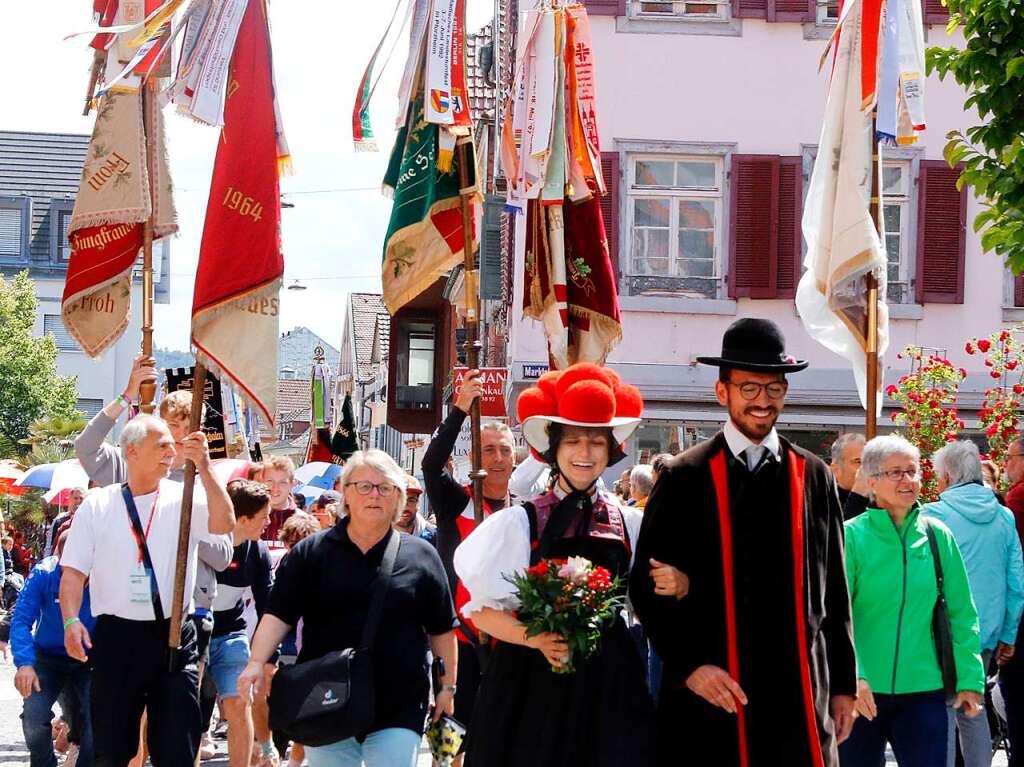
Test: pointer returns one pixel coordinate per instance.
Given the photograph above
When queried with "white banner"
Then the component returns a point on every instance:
(437, 98)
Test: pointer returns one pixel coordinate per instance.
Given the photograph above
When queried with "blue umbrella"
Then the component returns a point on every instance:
(38, 476)
(326, 480)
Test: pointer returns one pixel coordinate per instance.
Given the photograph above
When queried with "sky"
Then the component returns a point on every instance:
(333, 237)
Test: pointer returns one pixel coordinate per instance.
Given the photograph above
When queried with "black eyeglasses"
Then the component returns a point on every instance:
(896, 475)
(384, 489)
(750, 390)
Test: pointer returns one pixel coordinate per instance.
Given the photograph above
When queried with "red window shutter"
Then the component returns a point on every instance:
(605, 7)
(791, 10)
(941, 234)
(610, 207)
(934, 12)
(791, 205)
(753, 226)
(1018, 291)
(750, 9)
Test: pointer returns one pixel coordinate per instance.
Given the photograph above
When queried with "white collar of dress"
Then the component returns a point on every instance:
(738, 441)
(561, 494)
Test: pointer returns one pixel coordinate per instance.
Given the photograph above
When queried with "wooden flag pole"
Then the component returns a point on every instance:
(871, 285)
(464, 148)
(147, 391)
(185, 522)
(99, 58)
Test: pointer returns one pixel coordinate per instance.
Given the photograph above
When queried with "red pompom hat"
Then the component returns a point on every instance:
(583, 394)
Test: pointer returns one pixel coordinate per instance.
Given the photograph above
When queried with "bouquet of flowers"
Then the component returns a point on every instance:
(572, 598)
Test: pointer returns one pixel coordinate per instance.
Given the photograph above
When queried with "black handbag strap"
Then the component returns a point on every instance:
(934, 546)
(380, 589)
(140, 537)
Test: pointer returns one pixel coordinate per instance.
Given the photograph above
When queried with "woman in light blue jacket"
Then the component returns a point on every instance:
(987, 536)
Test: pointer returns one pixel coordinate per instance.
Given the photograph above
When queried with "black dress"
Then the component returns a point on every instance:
(601, 715)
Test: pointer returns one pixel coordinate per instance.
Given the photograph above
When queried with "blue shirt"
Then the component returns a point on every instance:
(987, 536)
(38, 605)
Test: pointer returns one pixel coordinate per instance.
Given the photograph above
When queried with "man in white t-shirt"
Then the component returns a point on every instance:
(124, 540)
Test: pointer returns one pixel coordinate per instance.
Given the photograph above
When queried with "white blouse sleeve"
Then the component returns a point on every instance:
(633, 518)
(499, 546)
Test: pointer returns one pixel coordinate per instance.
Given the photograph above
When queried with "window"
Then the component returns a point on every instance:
(89, 407)
(902, 174)
(61, 246)
(53, 325)
(896, 193)
(682, 9)
(15, 220)
(675, 211)
(828, 12)
(415, 389)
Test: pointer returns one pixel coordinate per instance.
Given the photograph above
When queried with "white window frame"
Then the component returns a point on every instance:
(24, 205)
(59, 208)
(905, 202)
(68, 344)
(674, 194)
(822, 19)
(679, 21)
(911, 158)
(677, 11)
(94, 404)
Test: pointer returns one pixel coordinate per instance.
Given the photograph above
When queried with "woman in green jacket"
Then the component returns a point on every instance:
(893, 591)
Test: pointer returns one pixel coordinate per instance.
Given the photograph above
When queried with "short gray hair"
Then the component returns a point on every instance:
(138, 428)
(380, 461)
(845, 440)
(877, 450)
(500, 427)
(642, 478)
(959, 461)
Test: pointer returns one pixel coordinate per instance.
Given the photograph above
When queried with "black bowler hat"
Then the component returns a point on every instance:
(756, 345)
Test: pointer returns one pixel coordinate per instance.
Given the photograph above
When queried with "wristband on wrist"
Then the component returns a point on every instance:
(69, 621)
(122, 401)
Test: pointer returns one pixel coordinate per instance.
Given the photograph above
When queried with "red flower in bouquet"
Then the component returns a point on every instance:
(571, 598)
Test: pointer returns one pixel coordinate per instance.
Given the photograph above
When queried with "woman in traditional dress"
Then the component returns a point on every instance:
(602, 715)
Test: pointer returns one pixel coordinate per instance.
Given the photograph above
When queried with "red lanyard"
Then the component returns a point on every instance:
(149, 524)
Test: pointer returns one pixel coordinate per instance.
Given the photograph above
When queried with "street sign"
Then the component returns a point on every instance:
(533, 372)
(492, 396)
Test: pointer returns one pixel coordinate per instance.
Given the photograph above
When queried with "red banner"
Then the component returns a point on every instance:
(236, 302)
(492, 395)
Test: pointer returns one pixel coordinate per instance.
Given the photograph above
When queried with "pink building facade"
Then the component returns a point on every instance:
(709, 117)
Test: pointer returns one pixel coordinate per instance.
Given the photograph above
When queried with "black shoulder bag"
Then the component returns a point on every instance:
(330, 699)
(941, 631)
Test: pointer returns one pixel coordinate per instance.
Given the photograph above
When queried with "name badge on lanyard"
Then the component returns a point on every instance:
(138, 586)
(140, 581)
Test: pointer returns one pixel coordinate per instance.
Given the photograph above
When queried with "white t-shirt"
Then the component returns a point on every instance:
(102, 545)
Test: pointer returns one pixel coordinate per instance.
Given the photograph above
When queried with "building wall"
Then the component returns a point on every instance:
(758, 92)
(98, 380)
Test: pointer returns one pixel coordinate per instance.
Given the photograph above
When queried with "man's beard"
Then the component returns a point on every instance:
(750, 433)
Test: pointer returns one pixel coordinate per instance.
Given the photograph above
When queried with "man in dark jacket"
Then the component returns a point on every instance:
(852, 487)
(452, 505)
(759, 665)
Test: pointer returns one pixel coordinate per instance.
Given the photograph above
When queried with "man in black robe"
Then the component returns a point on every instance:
(759, 667)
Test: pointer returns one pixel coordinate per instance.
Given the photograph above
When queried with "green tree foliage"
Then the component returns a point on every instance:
(30, 386)
(991, 68)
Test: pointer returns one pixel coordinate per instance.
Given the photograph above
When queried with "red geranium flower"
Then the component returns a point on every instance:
(984, 344)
